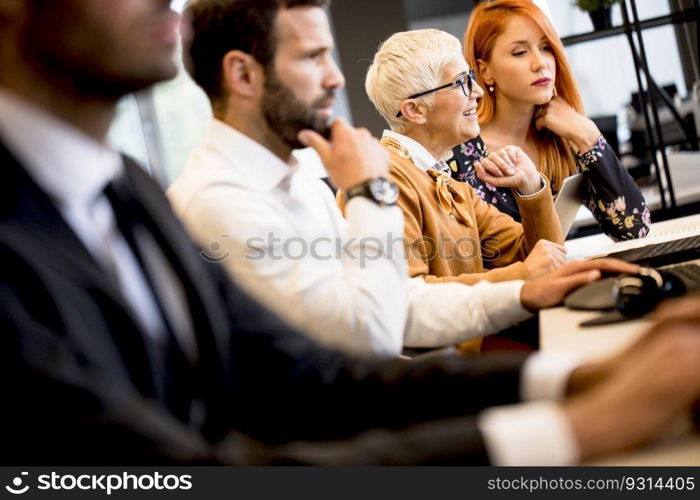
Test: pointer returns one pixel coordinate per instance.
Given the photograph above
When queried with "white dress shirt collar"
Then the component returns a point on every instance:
(74, 169)
(67, 164)
(264, 170)
(420, 156)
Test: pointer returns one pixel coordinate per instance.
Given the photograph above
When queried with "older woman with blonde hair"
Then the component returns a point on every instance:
(421, 84)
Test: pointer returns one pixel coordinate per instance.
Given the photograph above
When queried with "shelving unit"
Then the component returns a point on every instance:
(688, 15)
(632, 26)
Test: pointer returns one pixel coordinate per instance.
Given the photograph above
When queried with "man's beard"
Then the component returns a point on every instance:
(286, 115)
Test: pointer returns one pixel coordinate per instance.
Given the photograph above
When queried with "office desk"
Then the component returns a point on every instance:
(559, 331)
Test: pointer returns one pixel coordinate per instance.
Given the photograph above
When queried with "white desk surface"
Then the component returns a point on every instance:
(559, 331)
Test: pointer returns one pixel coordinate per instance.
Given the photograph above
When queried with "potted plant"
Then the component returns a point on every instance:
(599, 10)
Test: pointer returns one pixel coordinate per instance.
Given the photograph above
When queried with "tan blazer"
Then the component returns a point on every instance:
(453, 235)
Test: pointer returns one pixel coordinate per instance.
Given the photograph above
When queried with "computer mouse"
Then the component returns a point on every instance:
(637, 294)
(596, 296)
(632, 295)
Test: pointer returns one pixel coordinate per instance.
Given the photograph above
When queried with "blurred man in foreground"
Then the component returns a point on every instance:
(121, 345)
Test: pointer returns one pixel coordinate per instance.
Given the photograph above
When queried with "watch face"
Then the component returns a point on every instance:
(384, 191)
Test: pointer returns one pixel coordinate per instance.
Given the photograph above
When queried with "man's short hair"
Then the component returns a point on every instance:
(407, 63)
(219, 26)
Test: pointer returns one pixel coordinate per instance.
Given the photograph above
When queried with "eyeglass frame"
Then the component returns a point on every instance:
(470, 76)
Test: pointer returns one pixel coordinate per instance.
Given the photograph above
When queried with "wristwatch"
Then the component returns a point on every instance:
(380, 190)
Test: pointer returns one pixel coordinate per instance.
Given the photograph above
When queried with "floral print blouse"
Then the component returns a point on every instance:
(613, 198)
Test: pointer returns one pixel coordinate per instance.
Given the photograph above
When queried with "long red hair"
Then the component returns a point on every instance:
(487, 22)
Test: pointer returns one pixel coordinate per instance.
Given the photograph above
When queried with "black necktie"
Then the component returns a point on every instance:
(172, 371)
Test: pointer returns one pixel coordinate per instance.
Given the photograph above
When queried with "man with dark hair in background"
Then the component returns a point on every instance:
(121, 345)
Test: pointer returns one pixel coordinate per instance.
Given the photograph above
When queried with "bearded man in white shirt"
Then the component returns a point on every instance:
(278, 231)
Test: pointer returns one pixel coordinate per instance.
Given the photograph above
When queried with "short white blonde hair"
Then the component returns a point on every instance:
(407, 63)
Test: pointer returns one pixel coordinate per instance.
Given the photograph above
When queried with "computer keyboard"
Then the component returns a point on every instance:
(661, 254)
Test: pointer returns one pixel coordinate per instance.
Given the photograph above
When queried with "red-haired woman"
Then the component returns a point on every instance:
(532, 101)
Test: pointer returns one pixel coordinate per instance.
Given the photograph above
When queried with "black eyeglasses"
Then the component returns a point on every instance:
(470, 77)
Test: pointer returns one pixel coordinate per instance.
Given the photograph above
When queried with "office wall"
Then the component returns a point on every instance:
(603, 68)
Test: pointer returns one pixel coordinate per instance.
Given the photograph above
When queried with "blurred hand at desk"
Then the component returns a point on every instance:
(632, 398)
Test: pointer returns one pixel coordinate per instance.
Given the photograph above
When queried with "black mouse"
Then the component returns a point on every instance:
(637, 294)
(633, 295)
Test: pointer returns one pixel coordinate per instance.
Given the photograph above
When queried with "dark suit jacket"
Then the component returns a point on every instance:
(77, 382)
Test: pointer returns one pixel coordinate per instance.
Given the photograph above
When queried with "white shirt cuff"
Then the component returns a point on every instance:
(441, 314)
(527, 196)
(528, 434)
(366, 218)
(508, 308)
(502, 303)
(546, 375)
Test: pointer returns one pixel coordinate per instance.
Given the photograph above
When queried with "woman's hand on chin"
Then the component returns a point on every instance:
(567, 123)
(509, 167)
